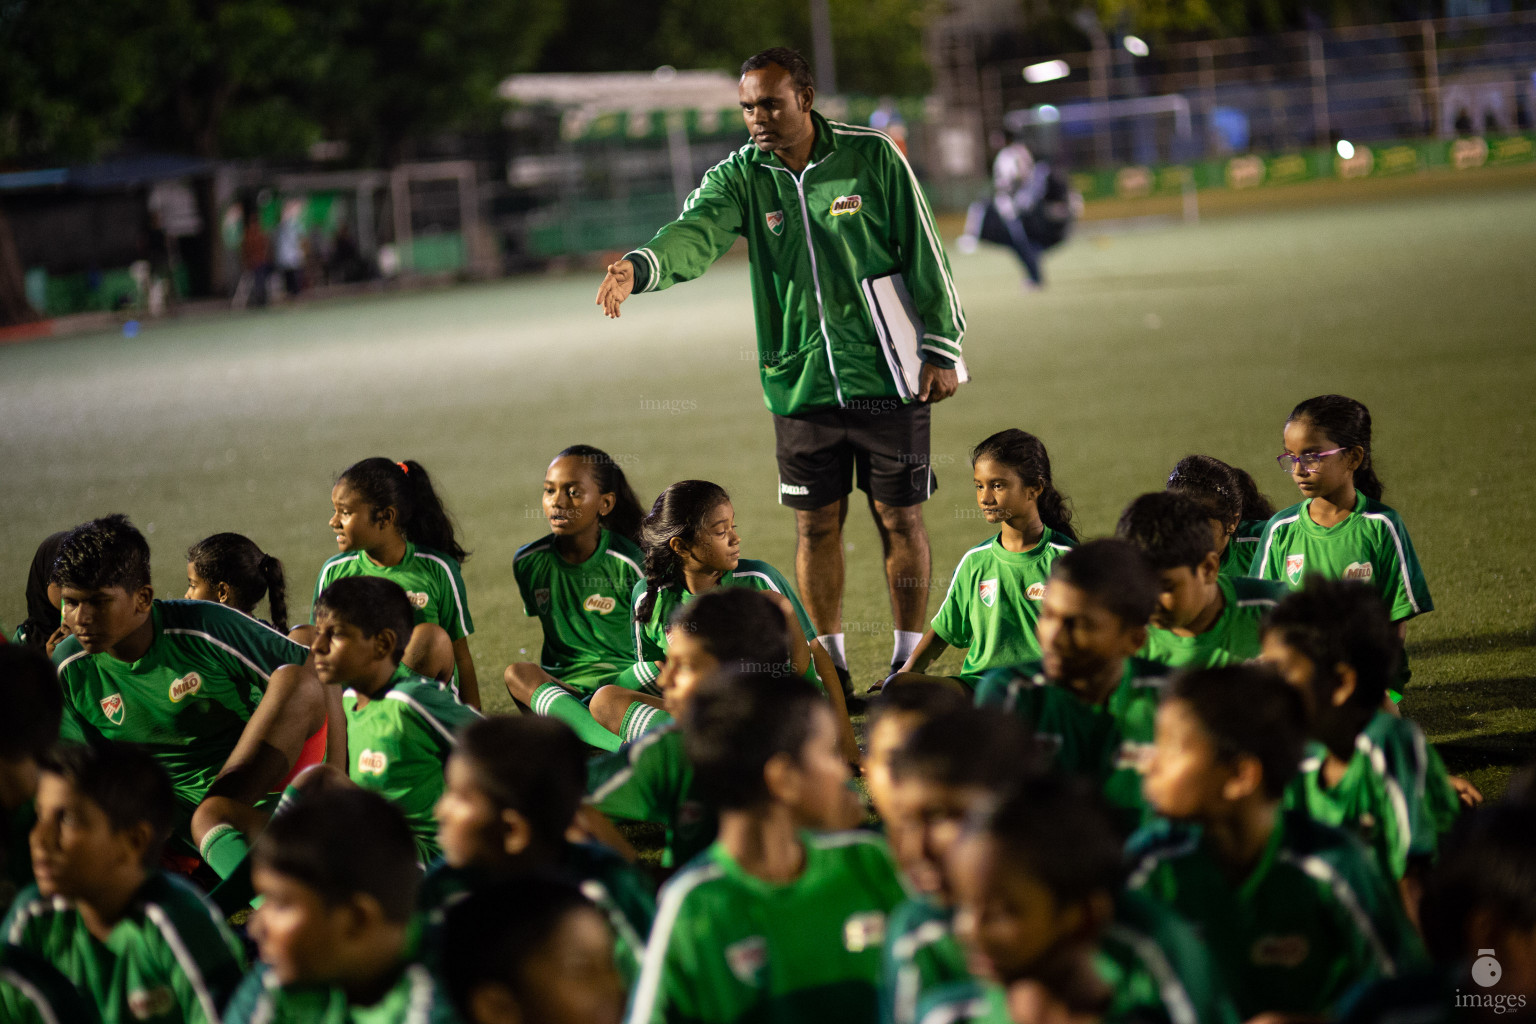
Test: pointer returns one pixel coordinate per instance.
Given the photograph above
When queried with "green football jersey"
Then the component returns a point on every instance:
(968, 1001)
(651, 779)
(1371, 544)
(429, 578)
(620, 890)
(1104, 743)
(16, 851)
(921, 956)
(415, 998)
(1311, 920)
(1237, 559)
(728, 946)
(187, 700)
(1232, 638)
(584, 608)
(397, 743)
(1394, 793)
(171, 958)
(32, 992)
(993, 602)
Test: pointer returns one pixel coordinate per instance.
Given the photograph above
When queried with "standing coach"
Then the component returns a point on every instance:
(823, 207)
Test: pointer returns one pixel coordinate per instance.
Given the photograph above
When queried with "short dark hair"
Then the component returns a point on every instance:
(926, 699)
(1057, 828)
(33, 700)
(741, 628)
(972, 746)
(736, 724)
(1113, 573)
(1487, 864)
(1331, 621)
(1248, 711)
(372, 604)
(530, 764)
(342, 843)
(124, 780)
(790, 60)
(1170, 529)
(1212, 484)
(489, 936)
(103, 553)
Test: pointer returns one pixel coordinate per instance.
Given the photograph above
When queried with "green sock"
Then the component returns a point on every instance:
(640, 718)
(558, 702)
(224, 848)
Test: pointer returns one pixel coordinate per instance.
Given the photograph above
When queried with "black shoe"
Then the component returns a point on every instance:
(855, 703)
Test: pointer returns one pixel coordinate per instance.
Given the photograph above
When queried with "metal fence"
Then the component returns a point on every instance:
(1278, 93)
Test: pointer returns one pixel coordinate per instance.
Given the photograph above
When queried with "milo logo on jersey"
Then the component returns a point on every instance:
(846, 204)
(145, 1004)
(1036, 592)
(864, 931)
(186, 686)
(1361, 571)
(418, 600)
(1132, 755)
(372, 762)
(600, 604)
(112, 707)
(1293, 564)
(987, 591)
(1279, 951)
(747, 959)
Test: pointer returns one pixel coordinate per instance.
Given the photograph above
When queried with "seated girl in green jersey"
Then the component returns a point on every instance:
(577, 580)
(1051, 932)
(1203, 617)
(1341, 529)
(534, 950)
(994, 597)
(138, 943)
(691, 547)
(1295, 912)
(511, 792)
(771, 922)
(651, 779)
(390, 522)
(29, 691)
(338, 877)
(1232, 503)
(1371, 772)
(401, 727)
(224, 703)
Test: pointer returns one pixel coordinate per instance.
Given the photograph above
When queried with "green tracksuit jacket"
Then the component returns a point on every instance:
(855, 211)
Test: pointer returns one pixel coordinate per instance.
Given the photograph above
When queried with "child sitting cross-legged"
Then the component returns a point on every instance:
(139, 944)
(337, 876)
(512, 789)
(1049, 927)
(1295, 911)
(772, 922)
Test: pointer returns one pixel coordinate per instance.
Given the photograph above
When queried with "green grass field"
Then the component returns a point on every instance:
(1148, 345)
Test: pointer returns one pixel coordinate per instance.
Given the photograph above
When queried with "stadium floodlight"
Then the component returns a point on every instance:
(1046, 71)
(1345, 149)
(1047, 113)
(1136, 46)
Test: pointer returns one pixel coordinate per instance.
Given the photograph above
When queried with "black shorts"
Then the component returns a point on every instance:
(877, 442)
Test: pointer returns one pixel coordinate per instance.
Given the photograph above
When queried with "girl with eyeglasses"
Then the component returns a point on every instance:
(1341, 529)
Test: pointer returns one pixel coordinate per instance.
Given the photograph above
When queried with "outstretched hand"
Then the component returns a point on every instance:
(616, 286)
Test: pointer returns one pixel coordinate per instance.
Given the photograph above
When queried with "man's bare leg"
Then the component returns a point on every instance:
(908, 563)
(819, 571)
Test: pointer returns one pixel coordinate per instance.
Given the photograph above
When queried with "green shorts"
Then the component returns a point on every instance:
(589, 678)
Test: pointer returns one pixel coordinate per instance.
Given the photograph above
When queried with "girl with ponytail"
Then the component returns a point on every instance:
(390, 522)
(228, 568)
(993, 602)
(1341, 529)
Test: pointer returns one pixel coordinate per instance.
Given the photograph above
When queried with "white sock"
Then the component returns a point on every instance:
(832, 643)
(906, 643)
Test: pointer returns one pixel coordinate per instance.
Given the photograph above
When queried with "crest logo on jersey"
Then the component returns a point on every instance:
(1132, 756)
(541, 598)
(864, 931)
(775, 221)
(1293, 565)
(372, 762)
(987, 591)
(1359, 571)
(186, 686)
(600, 604)
(747, 958)
(1036, 592)
(112, 707)
(846, 204)
(154, 1002)
(418, 600)
(1279, 950)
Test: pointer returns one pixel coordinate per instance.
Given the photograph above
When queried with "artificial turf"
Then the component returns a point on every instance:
(1147, 345)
